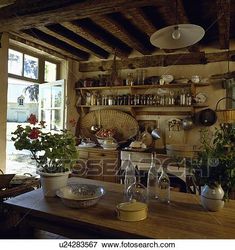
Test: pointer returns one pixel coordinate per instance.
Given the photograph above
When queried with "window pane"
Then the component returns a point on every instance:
(15, 62)
(56, 119)
(56, 96)
(30, 67)
(50, 72)
(45, 94)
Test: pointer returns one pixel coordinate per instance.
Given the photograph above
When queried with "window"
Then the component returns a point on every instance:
(25, 66)
(51, 104)
(15, 62)
(30, 67)
(50, 72)
(20, 100)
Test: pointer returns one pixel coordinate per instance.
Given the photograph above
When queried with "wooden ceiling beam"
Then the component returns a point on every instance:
(57, 43)
(32, 40)
(74, 40)
(89, 36)
(39, 37)
(138, 17)
(23, 15)
(38, 46)
(223, 17)
(182, 16)
(99, 33)
(122, 28)
(158, 61)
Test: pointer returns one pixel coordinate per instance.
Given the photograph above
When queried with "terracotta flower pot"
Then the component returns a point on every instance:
(51, 182)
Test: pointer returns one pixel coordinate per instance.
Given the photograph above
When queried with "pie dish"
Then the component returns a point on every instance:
(80, 195)
(200, 98)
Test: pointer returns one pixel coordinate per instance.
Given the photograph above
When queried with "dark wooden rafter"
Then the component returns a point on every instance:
(140, 19)
(89, 36)
(49, 46)
(57, 43)
(38, 46)
(223, 20)
(74, 40)
(159, 60)
(54, 43)
(99, 33)
(23, 15)
(126, 31)
(182, 16)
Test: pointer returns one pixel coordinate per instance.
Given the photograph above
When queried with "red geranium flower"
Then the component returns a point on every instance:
(32, 119)
(34, 134)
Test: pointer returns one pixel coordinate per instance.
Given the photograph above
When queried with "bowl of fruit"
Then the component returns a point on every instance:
(104, 134)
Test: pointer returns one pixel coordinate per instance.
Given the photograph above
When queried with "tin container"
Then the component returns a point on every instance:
(132, 211)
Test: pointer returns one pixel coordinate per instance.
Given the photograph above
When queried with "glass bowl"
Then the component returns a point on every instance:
(80, 195)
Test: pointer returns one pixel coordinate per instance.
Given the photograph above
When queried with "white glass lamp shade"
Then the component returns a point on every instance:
(177, 36)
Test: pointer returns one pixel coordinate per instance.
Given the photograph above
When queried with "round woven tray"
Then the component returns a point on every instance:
(124, 124)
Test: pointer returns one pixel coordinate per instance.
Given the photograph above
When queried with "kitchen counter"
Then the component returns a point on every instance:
(183, 218)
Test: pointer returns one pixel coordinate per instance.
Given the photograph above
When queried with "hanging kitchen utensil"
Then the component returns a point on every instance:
(96, 127)
(115, 80)
(207, 117)
(187, 123)
(155, 134)
(225, 115)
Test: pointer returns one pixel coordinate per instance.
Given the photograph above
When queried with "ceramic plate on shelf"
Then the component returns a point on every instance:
(200, 98)
(167, 78)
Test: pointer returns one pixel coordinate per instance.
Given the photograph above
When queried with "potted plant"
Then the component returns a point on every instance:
(54, 153)
(216, 165)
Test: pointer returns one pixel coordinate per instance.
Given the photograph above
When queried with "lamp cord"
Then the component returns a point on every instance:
(176, 12)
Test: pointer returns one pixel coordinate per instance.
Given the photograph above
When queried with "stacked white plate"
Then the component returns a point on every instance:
(110, 146)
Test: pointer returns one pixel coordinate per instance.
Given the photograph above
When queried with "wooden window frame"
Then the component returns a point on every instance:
(41, 65)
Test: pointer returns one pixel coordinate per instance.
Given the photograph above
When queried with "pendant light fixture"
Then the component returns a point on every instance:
(177, 36)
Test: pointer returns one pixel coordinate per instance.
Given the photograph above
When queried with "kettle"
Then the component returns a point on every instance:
(187, 123)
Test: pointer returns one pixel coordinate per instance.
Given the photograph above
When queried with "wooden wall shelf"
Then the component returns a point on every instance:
(173, 85)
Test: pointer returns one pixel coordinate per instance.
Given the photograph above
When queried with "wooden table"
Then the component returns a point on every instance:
(183, 218)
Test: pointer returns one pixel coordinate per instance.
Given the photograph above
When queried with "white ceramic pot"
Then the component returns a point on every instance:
(212, 198)
(51, 182)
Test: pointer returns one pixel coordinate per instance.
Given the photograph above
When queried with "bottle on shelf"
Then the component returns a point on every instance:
(164, 187)
(130, 177)
(152, 181)
(130, 79)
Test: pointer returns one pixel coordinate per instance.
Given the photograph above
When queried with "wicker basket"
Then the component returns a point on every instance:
(125, 125)
(225, 115)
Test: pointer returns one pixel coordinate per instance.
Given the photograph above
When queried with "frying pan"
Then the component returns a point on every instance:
(207, 117)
